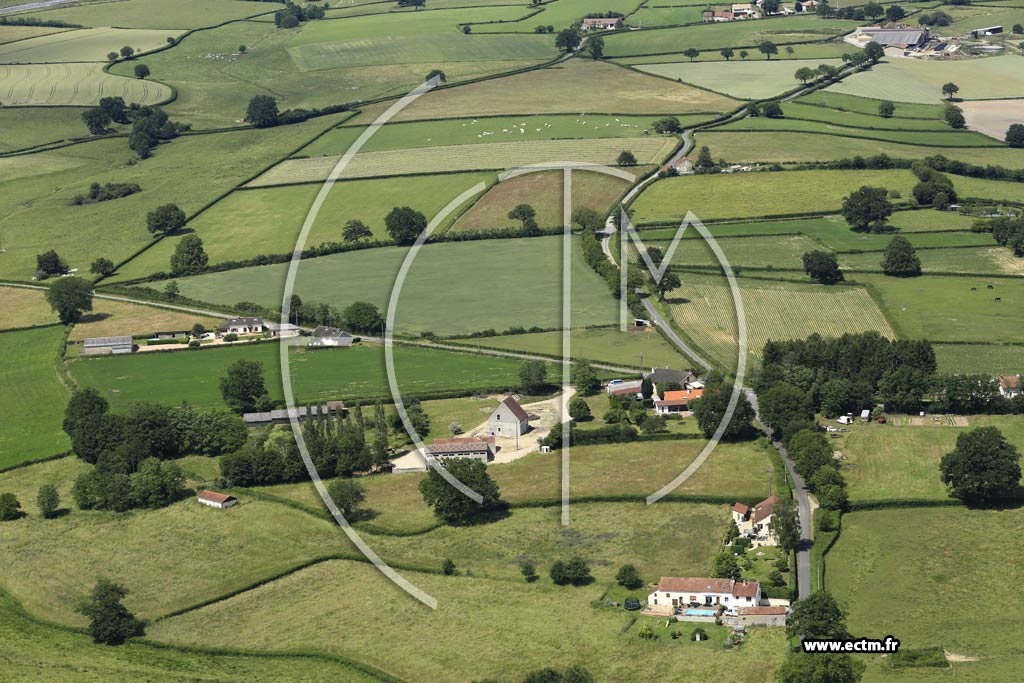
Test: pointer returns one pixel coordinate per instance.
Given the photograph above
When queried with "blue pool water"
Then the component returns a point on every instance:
(700, 612)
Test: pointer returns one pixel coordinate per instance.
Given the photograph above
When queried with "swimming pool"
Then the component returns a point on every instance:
(700, 612)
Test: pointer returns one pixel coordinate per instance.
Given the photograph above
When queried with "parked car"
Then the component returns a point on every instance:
(632, 604)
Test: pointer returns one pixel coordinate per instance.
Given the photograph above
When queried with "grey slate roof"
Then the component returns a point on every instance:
(102, 342)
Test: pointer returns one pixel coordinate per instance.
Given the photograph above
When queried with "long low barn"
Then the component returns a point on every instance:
(283, 416)
(96, 346)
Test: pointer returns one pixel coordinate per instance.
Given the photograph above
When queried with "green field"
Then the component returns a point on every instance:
(530, 267)
(474, 157)
(24, 308)
(732, 34)
(190, 172)
(747, 80)
(559, 14)
(79, 84)
(781, 147)
(606, 344)
(891, 558)
(35, 649)
(544, 192)
(39, 126)
(154, 14)
(988, 259)
(914, 80)
(946, 309)
(740, 195)
(974, 358)
(814, 112)
(866, 105)
(804, 54)
(491, 129)
(310, 612)
(81, 45)
(886, 462)
(575, 86)
(938, 138)
(355, 373)
(267, 221)
(10, 33)
(32, 405)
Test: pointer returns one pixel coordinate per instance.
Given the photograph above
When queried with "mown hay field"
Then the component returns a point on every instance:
(914, 80)
(24, 308)
(742, 79)
(110, 318)
(985, 259)
(703, 308)
(783, 147)
(491, 155)
(154, 14)
(81, 84)
(32, 404)
(575, 86)
(82, 45)
(10, 32)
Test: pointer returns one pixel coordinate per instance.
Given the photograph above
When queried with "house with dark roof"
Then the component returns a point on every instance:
(100, 346)
(243, 326)
(330, 336)
(476, 448)
(697, 596)
(508, 419)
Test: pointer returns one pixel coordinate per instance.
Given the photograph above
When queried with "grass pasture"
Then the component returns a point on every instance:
(746, 80)
(741, 195)
(33, 406)
(10, 33)
(77, 84)
(913, 80)
(991, 359)
(605, 344)
(356, 373)
(529, 266)
(24, 129)
(81, 45)
(558, 14)
(782, 147)
(802, 54)
(575, 86)
(986, 259)
(703, 309)
(867, 572)
(190, 171)
(543, 191)
(24, 308)
(110, 318)
(154, 14)
(731, 34)
(942, 308)
(474, 157)
(814, 112)
(267, 221)
(830, 99)
(310, 613)
(938, 137)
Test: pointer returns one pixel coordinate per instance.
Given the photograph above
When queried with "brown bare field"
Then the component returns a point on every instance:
(993, 117)
(109, 318)
(24, 308)
(543, 191)
(577, 85)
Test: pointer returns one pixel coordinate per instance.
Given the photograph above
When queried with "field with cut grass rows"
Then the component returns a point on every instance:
(72, 84)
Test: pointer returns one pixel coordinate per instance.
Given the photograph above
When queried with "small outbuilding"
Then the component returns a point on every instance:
(99, 346)
(330, 336)
(216, 500)
(509, 419)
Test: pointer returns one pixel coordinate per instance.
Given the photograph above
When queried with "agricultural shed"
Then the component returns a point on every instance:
(97, 346)
(216, 500)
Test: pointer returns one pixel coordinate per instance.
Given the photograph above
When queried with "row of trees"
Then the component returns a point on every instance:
(47, 500)
(1006, 231)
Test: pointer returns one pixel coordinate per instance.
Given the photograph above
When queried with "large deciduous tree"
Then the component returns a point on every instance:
(822, 267)
(361, 316)
(983, 468)
(710, 409)
(900, 259)
(189, 257)
(69, 297)
(165, 219)
(262, 112)
(405, 224)
(110, 622)
(867, 208)
(243, 387)
(817, 616)
(451, 505)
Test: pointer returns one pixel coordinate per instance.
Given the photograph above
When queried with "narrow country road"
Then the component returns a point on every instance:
(34, 5)
(803, 553)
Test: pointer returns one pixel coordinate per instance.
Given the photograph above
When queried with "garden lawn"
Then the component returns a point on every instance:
(34, 399)
(889, 558)
(732, 34)
(749, 195)
(914, 80)
(575, 86)
(310, 612)
(191, 171)
(603, 344)
(544, 192)
(354, 374)
(35, 649)
(24, 308)
(252, 223)
(743, 79)
(944, 308)
(82, 45)
(886, 462)
(792, 147)
(529, 266)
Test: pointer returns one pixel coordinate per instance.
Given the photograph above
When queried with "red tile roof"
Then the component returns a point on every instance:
(741, 508)
(764, 509)
(746, 589)
(679, 398)
(678, 585)
(1009, 382)
(215, 497)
